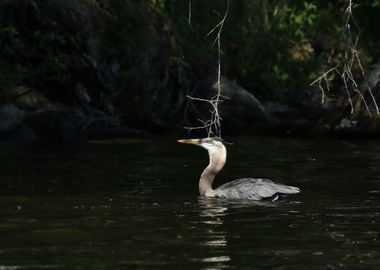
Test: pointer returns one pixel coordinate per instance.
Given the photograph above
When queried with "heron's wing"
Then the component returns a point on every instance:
(254, 189)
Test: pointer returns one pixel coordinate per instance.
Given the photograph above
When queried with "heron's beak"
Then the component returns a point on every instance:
(190, 141)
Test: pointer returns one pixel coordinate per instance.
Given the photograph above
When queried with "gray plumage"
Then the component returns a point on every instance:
(253, 189)
(244, 188)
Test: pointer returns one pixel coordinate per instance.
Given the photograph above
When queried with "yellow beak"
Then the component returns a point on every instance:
(190, 141)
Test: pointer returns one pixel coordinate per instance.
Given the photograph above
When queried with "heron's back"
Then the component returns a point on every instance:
(253, 189)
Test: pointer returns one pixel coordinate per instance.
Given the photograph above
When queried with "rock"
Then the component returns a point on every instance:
(22, 134)
(235, 92)
(347, 126)
(68, 125)
(370, 89)
(10, 117)
(241, 109)
(30, 99)
(12, 128)
(287, 115)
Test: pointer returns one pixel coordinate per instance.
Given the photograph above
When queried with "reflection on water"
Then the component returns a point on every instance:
(212, 213)
(135, 205)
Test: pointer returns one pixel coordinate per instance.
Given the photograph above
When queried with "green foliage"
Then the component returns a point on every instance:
(272, 48)
(158, 3)
(39, 54)
(47, 54)
(125, 31)
(376, 3)
(257, 41)
(300, 20)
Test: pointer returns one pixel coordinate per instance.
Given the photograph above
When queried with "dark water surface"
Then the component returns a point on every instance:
(135, 205)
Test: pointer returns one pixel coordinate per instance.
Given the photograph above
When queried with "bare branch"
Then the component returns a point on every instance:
(213, 125)
(189, 15)
(350, 58)
(324, 78)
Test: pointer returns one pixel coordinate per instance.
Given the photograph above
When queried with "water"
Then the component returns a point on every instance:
(134, 204)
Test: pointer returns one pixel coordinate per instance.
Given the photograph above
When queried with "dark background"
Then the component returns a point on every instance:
(79, 69)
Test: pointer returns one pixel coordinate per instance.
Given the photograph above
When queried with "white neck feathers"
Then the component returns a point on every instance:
(217, 156)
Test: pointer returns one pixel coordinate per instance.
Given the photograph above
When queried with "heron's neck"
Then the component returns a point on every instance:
(217, 161)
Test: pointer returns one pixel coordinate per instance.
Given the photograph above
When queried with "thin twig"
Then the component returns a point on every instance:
(189, 15)
(350, 58)
(213, 125)
(324, 78)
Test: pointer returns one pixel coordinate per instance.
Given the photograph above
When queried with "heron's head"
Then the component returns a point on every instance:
(216, 151)
(212, 145)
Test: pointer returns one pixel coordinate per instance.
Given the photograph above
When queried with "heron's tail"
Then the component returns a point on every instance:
(287, 189)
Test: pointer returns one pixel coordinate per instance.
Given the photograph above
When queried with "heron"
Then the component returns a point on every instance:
(243, 188)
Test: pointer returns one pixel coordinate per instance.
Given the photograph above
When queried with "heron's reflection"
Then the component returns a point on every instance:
(212, 210)
(212, 213)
